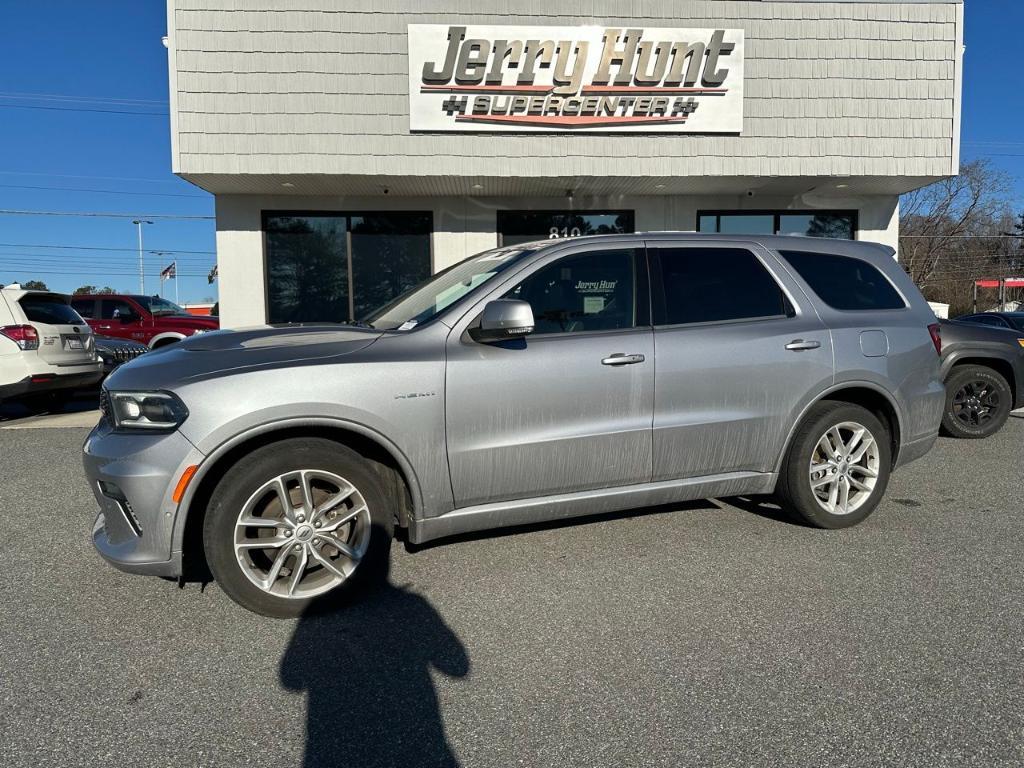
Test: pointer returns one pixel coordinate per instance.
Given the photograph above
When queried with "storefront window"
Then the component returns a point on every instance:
(336, 267)
(839, 225)
(515, 227)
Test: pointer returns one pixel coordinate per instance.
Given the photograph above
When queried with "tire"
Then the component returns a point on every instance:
(271, 582)
(978, 402)
(817, 506)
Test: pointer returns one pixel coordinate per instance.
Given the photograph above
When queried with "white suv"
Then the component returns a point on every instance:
(46, 349)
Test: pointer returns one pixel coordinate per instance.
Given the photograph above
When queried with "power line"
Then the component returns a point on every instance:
(96, 214)
(98, 248)
(82, 109)
(70, 97)
(94, 178)
(105, 191)
(29, 260)
(91, 272)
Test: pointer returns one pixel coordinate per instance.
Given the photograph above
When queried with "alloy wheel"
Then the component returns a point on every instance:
(302, 533)
(975, 403)
(844, 468)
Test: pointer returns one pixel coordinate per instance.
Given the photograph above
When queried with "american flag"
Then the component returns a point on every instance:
(171, 270)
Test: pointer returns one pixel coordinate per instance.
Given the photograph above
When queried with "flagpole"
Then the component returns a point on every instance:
(176, 300)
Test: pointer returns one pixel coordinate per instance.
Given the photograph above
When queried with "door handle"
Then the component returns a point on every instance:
(620, 358)
(799, 345)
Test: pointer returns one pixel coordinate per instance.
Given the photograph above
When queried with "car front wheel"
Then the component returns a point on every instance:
(837, 467)
(298, 522)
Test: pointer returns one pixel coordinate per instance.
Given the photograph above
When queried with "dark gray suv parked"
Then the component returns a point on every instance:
(543, 381)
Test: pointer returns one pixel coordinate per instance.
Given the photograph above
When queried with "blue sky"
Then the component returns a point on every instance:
(91, 62)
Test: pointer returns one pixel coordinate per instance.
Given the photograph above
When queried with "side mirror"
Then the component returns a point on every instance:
(504, 319)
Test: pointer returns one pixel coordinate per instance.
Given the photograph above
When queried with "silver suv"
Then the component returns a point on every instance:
(542, 381)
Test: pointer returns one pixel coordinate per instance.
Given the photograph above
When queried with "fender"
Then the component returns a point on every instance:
(980, 350)
(185, 507)
(852, 384)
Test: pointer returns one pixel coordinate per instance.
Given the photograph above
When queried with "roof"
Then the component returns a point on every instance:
(858, 248)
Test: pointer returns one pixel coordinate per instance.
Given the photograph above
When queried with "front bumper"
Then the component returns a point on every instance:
(132, 477)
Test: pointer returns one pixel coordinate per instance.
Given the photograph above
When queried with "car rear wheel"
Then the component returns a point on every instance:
(978, 402)
(298, 522)
(837, 467)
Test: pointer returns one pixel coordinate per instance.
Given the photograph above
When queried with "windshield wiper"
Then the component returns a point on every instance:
(358, 324)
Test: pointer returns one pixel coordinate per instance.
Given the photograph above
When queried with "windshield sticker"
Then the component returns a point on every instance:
(592, 305)
(596, 286)
(407, 326)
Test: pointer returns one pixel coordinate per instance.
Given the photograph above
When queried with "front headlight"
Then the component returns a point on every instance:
(146, 410)
(197, 331)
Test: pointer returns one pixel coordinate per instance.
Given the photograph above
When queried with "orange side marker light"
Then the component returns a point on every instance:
(183, 481)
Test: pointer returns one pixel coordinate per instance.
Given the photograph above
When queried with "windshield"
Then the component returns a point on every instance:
(426, 300)
(158, 306)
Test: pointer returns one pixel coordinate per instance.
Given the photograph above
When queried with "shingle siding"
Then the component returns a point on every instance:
(321, 86)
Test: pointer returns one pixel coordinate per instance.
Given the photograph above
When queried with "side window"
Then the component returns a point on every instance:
(844, 282)
(593, 291)
(85, 307)
(998, 322)
(115, 308)
(707, 285)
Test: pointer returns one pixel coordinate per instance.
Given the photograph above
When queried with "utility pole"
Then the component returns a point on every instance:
(142, 267)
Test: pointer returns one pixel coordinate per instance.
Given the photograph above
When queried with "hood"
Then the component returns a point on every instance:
(188, 321)
(218, 353)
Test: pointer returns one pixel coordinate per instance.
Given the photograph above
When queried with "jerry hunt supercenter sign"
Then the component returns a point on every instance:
(575, 79)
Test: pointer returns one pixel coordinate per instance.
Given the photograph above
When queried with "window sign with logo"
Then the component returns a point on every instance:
(575, 79)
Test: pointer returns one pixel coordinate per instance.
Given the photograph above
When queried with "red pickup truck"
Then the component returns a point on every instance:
(150, 320)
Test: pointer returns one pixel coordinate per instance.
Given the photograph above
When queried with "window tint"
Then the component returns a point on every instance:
(998, 322)
(586, 292)
(705, 285)
(84, 307)
(844, 282)
(115, 308)
(50, 310)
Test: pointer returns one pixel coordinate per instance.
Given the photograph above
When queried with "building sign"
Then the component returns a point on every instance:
(575, 79)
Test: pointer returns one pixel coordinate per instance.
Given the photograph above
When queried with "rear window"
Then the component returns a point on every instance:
(50, 310)
(844, 282)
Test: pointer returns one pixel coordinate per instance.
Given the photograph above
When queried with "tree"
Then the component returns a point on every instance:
(90, 290)
(951, 233)
(34, 285)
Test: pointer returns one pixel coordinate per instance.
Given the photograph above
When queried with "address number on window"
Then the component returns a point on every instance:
(557, 233)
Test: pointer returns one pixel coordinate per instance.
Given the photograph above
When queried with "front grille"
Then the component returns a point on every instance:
(104, 403)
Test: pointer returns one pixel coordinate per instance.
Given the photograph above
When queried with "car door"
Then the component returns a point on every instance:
(121, 319)
(569, 407)
(740, 351)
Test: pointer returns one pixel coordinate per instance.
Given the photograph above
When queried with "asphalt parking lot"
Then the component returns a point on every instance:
(711, 634)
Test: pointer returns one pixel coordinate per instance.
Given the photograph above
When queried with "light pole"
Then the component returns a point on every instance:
(142, 268)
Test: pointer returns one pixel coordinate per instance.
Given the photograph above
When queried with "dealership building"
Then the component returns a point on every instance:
(356, 146)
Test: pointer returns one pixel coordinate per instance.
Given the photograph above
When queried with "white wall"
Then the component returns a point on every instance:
(464, 226)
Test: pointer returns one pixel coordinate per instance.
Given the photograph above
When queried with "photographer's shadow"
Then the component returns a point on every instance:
(366, 672)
